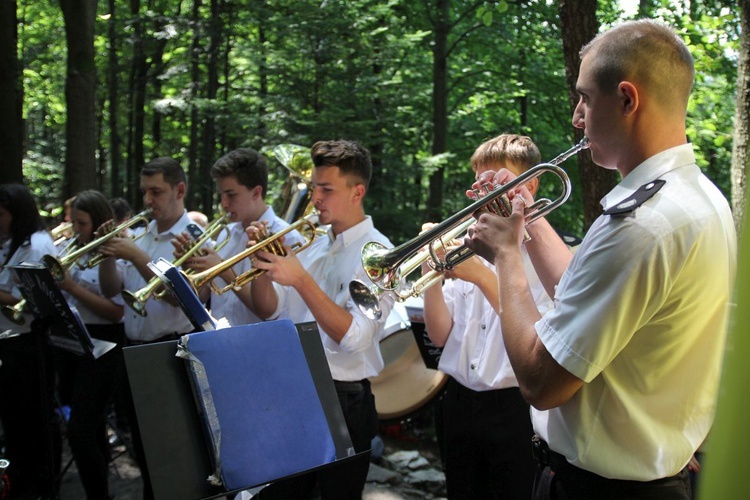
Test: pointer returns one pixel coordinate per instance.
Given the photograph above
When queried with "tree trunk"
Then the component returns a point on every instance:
(578, 26)
(195, 86)
(439, 108)
(80, 97)
(11, 96)
(740, 158)
(113, 97)
(203, 184)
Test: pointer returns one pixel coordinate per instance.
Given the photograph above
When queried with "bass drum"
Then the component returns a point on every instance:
(405, 385)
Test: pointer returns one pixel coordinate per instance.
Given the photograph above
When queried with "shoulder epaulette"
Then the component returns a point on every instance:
(642, 194)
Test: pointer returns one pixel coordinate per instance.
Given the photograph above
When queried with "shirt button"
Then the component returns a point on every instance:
(473, 366)
(484, 326)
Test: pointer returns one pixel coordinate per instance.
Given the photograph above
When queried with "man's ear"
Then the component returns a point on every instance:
(628, 94)
(532, 186)
(181, 190)
(258, 192)
(359, 192)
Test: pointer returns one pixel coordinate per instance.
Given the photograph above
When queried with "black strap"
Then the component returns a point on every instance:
(642, 194)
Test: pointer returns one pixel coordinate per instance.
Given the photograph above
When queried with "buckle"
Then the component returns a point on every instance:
(540, 450)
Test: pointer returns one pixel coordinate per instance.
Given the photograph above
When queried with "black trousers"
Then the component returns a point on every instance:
(342, 481)
(93, 386)
(556, 479)
(30, 425)
(485, 443)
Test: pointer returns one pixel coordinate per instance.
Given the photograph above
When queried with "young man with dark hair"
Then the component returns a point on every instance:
(314, 286)
(163, 184)
(241, 178)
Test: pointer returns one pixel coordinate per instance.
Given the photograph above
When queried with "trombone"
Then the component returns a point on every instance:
(270, 243)
(386, 268)
(137, 300)
(58, 265)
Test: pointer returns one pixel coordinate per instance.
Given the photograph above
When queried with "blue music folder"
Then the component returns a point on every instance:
(258, 402)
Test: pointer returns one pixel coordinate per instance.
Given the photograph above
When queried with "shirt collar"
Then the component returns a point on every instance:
(354, 233)
(650, 170)
(176, 228)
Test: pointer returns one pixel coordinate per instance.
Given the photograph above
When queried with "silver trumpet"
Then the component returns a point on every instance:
(386, 268)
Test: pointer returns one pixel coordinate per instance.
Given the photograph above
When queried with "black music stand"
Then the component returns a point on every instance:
(178, 453)
(51, 310)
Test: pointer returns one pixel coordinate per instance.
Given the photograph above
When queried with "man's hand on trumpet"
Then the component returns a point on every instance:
(281, 265)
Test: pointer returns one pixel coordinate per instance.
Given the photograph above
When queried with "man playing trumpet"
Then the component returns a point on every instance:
(486, 422)
(315, 286)
(163, 184)
(241, 178)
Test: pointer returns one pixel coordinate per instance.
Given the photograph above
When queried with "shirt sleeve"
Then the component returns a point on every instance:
(612, 287)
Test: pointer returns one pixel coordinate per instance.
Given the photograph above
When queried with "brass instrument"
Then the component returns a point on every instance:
(386, 268)
(61, 232)
(58, 265)
(137, 300)
(270, 243)
(297, 189)
(14, 313)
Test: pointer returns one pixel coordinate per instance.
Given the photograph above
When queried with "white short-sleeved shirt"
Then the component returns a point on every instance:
(39, 245)
(89, 279)
(333, 263)
(162, 318)
(640, 317)
(474, 353)
(227, 305)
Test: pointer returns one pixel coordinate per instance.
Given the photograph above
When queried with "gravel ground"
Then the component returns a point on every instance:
(408, 467)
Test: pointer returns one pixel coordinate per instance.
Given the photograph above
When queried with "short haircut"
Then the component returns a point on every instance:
(96, 205)
(245, 164)
(518, 149)
(121, 208)
(648, 53)
(169, 168)
(352, 159)
(25, 218)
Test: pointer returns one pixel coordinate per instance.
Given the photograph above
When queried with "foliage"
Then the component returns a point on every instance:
(300, 71)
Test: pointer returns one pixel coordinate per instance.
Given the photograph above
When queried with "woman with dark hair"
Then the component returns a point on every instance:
(92, 381)
(32, 437)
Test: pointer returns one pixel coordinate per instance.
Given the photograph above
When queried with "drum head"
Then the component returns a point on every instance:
(405, 385)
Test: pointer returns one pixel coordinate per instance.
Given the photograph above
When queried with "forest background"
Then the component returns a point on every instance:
(91, 90)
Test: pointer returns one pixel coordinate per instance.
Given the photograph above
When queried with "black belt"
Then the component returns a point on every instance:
(351, 387)
(545, 456)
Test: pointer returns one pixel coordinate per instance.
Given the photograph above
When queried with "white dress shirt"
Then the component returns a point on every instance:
(474, 353)
(228, 305)
(333, 263)
(162, 318)
(640, 316)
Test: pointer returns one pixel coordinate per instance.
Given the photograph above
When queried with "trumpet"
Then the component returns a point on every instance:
(58, 265)
(137, 300)
(386, 268)
(61, 232)
(14, 313)
(270, 243)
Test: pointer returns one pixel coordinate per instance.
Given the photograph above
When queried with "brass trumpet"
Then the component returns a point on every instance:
(271, 243)
(137, 300)
(14, 313)
(61, 232)
(58, 265)
(386, 268)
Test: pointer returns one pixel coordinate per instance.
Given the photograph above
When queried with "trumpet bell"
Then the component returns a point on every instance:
(380, 265)
(137, 304)
(15, 313)
(366, 299)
